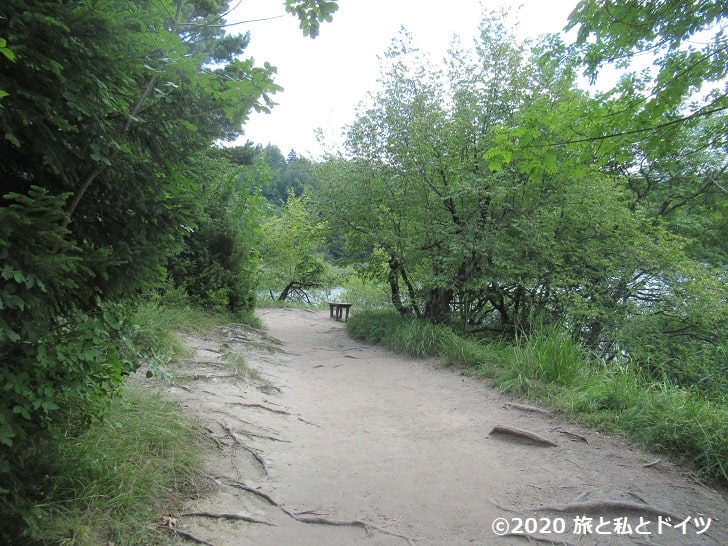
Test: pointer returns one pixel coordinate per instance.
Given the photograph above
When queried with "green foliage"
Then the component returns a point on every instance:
(290, 246)
(55, 384)
(373, 326)
(105, 107)
(666, 30)
(361, 290)
(60, 346)
(9, 55)
(121, 109)
(457, 189)
(657, 415)
(312, 13)
(413, 337)
(109, 483)
(6, 50)
(218, 264)
(550, 355)
(661, 129)
(293, 174)
(132, 459)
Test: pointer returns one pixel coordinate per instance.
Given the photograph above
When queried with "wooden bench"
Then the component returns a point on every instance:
(338, 308)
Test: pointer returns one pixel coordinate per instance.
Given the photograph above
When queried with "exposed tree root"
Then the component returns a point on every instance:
(583, 494)
(250, 450)
(310, 513)
(256, 456)
(263, 436)
(261, 427)
(185, 534)
(267, 388)
(368, 527)
(605, 505)
(261, 406)
(239, 517)
(242, 333)
(251, 434)
(220, 444)
(523, 434)
(212, 377)
(315, 519)
(524, 407)
(536, 538)
(262, 494)
(636, 496)
(571, 435)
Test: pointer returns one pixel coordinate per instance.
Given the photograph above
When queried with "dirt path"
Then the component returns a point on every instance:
(399, 451)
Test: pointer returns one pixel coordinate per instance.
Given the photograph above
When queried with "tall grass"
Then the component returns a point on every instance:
(157, 325)
(413, 337)
(109, 483)
(112, 482)
(548, 366)
(658, 415)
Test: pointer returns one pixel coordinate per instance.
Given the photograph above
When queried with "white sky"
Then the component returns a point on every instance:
(326, 78)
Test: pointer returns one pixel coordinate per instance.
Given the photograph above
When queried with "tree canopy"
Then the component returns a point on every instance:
(492, 197)
(107, 109)
(673, 56)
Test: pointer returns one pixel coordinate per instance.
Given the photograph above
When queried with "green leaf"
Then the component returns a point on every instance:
(6, 438)
(6, 51)
(23, 412)
(7, 272)
(9, 334)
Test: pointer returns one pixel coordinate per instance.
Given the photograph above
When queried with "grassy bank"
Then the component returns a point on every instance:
(549, 368)
(110, 482)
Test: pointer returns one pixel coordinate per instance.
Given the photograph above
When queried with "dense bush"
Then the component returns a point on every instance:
(103, 105)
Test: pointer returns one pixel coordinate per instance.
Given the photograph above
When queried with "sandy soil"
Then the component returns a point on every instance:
(343, 443)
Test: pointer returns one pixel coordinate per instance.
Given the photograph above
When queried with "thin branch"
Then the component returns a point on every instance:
(227, 25)
(524, 407)
(699, 113)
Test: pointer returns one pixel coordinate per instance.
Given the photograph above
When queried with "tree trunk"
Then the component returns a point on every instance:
(437, 308)
(393, 277)
(410, 291)
(298, 287)
(283, 295)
